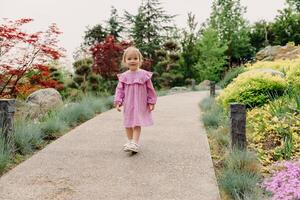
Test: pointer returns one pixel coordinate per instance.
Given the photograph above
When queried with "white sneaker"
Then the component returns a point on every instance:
(126, 147)
(134, 147)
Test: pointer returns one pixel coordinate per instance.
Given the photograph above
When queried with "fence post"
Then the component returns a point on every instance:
(193, 85)
(7, 110)
(238, 125)
(212, 89)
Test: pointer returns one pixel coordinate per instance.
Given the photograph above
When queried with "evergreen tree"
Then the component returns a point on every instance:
(294, 4)
(261, 35)
(149, 27)
(286, 27)
(114, 26)
(189, 55)
(168, 68)
(94, 35)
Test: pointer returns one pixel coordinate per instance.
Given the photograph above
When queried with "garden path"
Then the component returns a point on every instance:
(88, 162)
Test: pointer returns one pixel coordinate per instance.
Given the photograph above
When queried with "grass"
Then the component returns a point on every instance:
(5, 153)
(239, 160)
(33, 135)
(238, 172)
(53, 128)
(238, 184)
(27, 137)
(213, 115)
(75, 113)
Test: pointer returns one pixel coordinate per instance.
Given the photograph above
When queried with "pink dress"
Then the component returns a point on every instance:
(135, 91)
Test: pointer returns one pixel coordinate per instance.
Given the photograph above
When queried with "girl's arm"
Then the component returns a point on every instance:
(119, 94)
(151, 94)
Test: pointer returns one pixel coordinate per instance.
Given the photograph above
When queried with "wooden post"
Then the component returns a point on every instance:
(238, 125)
(193, 85)
(212, 89)
(7, 110)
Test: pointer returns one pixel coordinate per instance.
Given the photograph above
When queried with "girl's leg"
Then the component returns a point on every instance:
(136, 133)
(129, 132)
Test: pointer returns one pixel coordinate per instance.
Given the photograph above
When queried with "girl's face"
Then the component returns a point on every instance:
(132, 60)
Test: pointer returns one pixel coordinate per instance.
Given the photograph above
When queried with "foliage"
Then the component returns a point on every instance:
(212, 58)
(273, 131)
(286, 27)
(167, 67)
(252, 89)
(27, 137)
(20, 52)
(189, 53)
(294, 4)
(289, 67)
(230, 75)
(107, 57)
(114, 26)
(233, 31)
(149, 27)
(94, 35)
(261, 35)
(83, 70)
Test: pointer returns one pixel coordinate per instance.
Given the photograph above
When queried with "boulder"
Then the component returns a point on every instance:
(41, 101)
(271, 53)
(268, 70)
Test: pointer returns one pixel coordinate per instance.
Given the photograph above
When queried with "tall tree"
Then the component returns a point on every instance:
(149, 26)
(227, 19)
(189, 55)
(286, 27)
(114, 26)
(94, 35)
(294, 4)
(261, 34)
(212, 58)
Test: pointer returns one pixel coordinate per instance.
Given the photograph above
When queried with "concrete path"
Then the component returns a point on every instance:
(88, 162)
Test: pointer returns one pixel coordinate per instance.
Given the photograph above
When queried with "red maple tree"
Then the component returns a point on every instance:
(107, 57)
(21, 52)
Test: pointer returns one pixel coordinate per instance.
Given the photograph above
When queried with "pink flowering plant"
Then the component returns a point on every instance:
(284, 184)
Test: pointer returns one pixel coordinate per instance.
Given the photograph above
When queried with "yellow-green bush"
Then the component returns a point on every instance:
(290, 67)
(267, 135)
(252, 89)
(293, 76)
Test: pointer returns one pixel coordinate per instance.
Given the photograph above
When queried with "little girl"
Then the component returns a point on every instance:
(136, 94)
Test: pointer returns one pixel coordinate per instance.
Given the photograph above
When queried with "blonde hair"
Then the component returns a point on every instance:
(132, 48)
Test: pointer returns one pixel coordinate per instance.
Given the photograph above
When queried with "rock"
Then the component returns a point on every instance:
(178, 89)
(271, 53)
(267, 70)
(41, 101)
(205, 85)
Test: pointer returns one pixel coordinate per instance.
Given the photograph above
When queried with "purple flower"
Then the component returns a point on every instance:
(284, 184)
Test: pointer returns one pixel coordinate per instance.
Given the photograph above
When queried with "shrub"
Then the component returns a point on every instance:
(252, 89)
(53, 127)
(230, 75)
(238, 184)
(273, 134)
(75, 113)
(28, 136)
